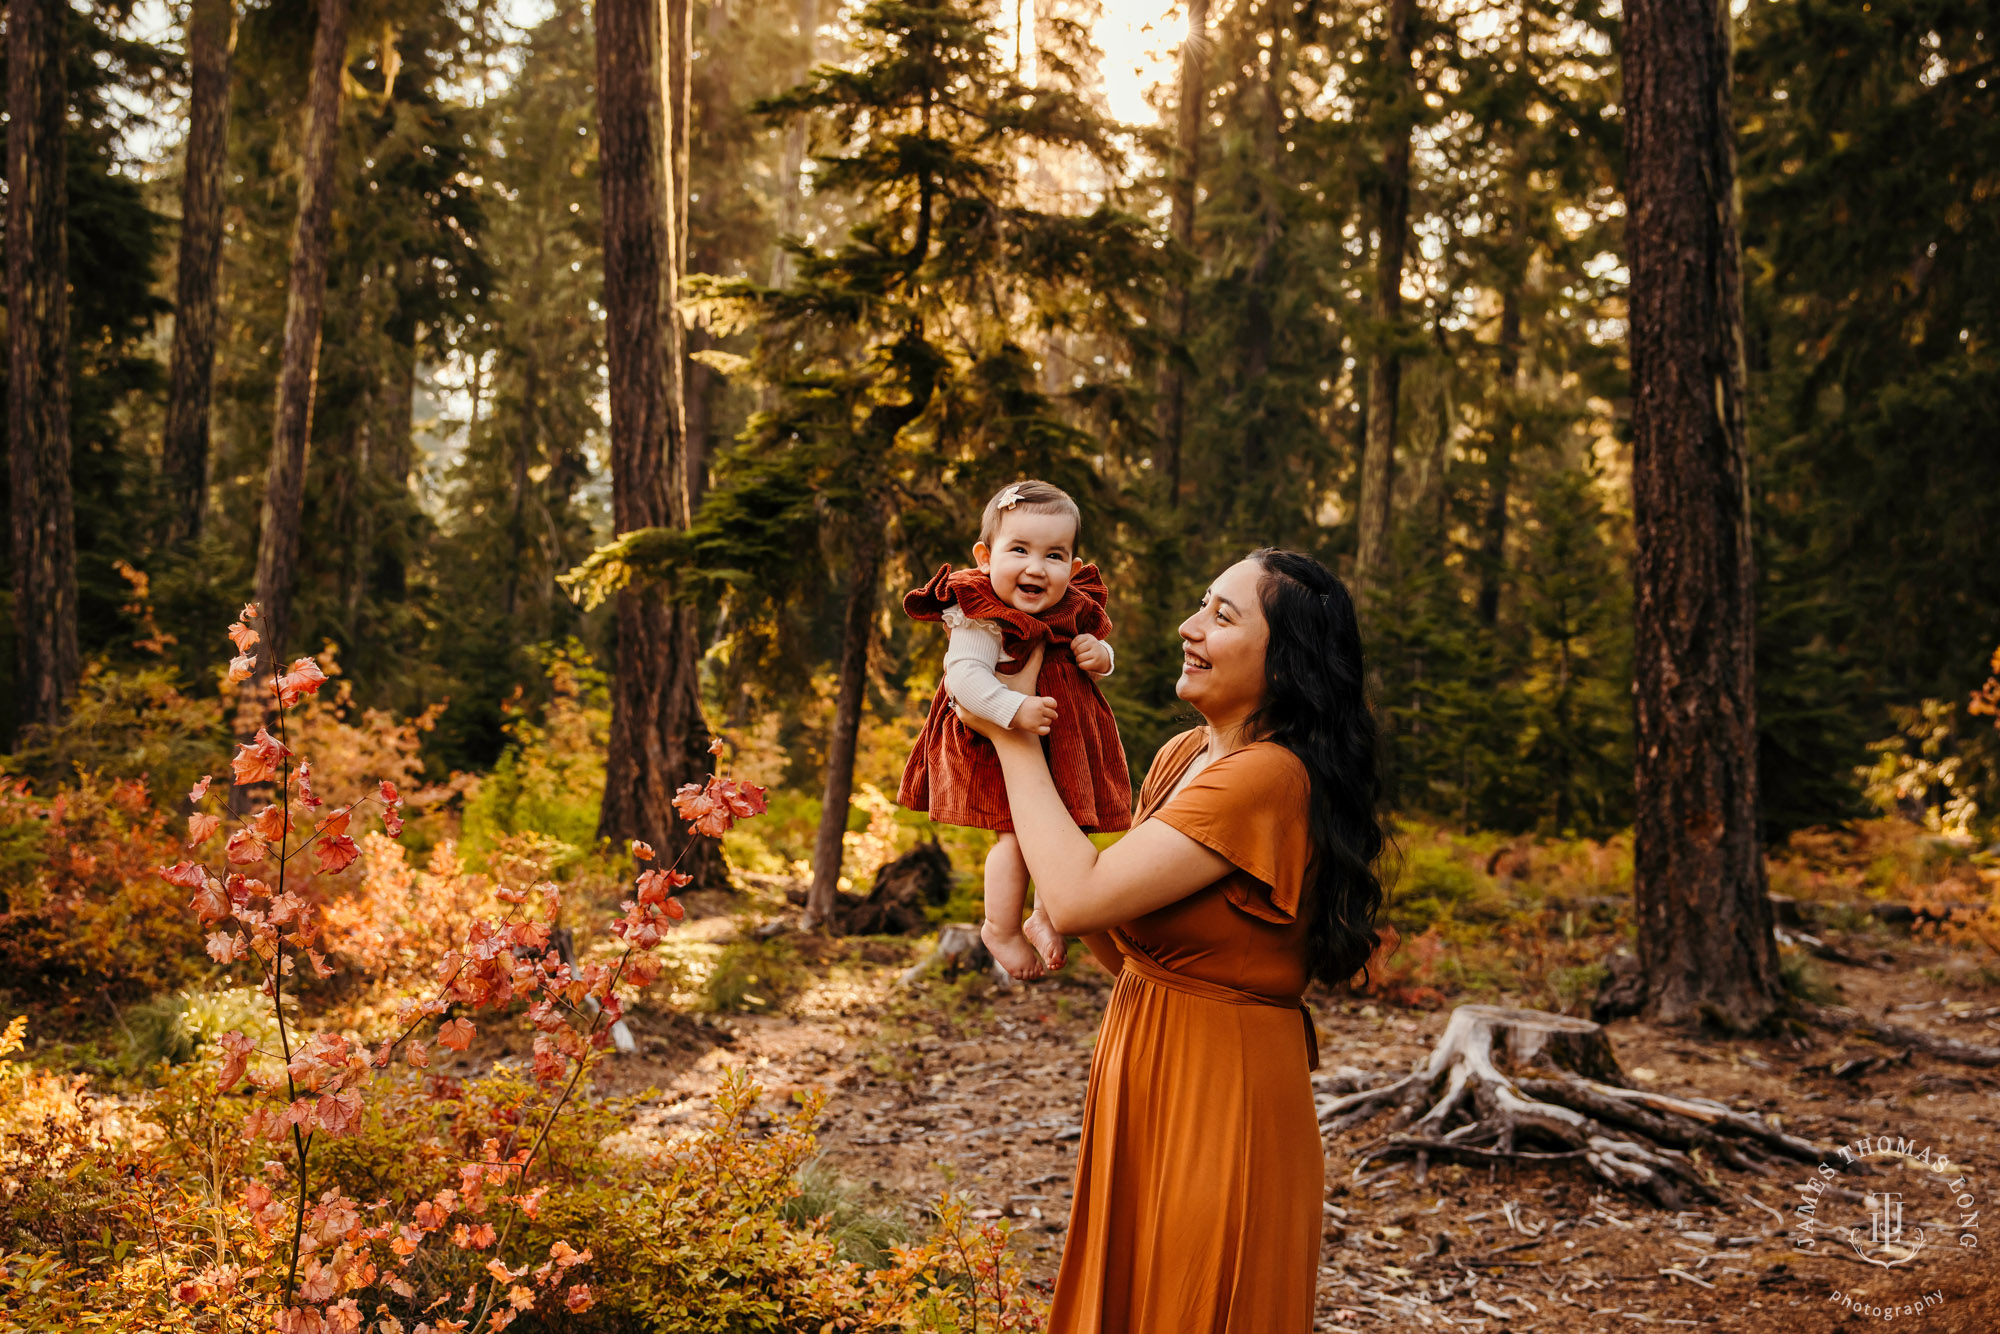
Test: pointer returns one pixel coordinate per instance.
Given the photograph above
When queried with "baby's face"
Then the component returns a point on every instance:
(1031, 561)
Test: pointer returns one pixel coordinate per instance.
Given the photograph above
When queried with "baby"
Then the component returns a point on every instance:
(1029, 590)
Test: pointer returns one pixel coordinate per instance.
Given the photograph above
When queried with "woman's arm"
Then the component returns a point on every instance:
(1084, 890)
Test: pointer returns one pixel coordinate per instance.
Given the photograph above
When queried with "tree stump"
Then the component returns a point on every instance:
(1501, 1080)
(919, 879)
(959, 947)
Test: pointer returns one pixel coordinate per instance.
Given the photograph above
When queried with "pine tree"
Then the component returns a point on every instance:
(1705, 938)
(658, 738)
(211, 39)
(38, 385)
(284, 495)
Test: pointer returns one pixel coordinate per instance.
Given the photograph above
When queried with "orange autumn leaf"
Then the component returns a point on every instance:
(200, 826)
(271, 823)
(305, 678)
(455, 1034)
(334, 825)
(200, 790)
(257, 760)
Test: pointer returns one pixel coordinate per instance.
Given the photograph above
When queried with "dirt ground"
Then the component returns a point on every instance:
(958, 1084)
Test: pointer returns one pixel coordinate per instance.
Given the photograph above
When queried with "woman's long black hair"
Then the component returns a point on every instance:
(1315, 705)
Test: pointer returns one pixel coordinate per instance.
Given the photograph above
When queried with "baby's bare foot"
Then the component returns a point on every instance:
(1012, 950)
(1048, 942)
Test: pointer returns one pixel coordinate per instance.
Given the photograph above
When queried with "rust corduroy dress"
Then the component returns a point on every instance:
(1200, 1175)
(954, 773)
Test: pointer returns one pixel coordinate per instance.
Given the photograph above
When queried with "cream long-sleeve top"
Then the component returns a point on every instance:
(972, 655)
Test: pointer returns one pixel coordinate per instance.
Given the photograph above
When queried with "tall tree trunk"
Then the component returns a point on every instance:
(1260, 278)
(1385, 367)
(792, 156)
(211, 39)
(702, 383)
(1698, 869)
(1500, 460)
(658, 738)
(298, 369)
(527, 445)
(1193, 96)
(44, 515)
(857, 637)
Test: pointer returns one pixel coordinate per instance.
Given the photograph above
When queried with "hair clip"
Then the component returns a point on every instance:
(1009, 498)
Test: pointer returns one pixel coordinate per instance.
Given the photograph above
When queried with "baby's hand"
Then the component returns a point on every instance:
(1091, 653)
(1037, 713)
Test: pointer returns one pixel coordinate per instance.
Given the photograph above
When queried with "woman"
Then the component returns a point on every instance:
(1249, 871)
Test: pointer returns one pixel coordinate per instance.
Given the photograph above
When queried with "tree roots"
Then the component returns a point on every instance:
(1501, 1080)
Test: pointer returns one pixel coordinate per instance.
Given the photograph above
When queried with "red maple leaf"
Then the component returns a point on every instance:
(210, 902)
(188, 875)
(455, 1034)
(335, 854)
(236, 1050)
(244, 849)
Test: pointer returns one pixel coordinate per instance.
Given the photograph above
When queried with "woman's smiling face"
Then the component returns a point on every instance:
(1222, 648)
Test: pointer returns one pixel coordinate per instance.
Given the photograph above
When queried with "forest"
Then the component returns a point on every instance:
(510, 427)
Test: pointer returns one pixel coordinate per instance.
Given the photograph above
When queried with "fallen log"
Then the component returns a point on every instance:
(1843, 1020)
(1512, 1085)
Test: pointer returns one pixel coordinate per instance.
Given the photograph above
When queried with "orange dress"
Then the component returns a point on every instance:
(1200, 1175)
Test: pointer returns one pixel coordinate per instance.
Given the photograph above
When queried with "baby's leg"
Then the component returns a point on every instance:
(1006, 893)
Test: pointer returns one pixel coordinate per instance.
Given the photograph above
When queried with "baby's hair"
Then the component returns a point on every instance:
(1030, 497)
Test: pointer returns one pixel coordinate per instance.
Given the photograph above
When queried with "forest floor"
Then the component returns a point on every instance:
(962, 1085)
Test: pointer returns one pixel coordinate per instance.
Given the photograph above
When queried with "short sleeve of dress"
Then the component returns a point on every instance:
(1251, 806)
(1168, 763)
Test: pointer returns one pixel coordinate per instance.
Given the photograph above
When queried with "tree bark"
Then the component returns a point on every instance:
(658, 737)
(1500, 462)
(1385, 367)
(857, 636)
(1193, 95)
(298, 370)
(38, 402)
(211, 39)
(1705, 937)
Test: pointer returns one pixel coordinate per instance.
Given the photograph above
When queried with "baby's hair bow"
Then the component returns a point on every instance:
(1009, 498)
